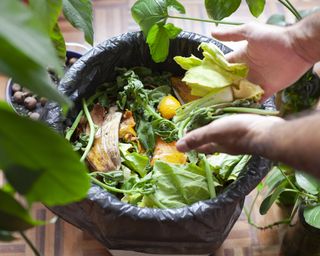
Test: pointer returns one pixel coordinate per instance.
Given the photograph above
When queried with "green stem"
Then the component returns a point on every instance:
(92, 130)
(302, 193)
(250, 110)
(31, 245)
(298, 16)
(204, 20)
(291, 8)
(78, 118)
(211, 188)
(248, 214)
(74, 126)
(112, 189)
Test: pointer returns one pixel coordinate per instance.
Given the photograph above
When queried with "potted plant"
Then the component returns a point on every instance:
(31, 169)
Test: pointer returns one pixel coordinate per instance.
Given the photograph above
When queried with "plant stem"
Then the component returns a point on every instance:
(110, 188)
(291, 8)
(205, 20)
(211, 188)
(74, 126)
(298, 16)
(248, 214)
(92, 130)
(31, 245)
(250, 110)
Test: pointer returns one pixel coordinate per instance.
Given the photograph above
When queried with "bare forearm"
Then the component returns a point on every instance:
(294, 142)
(306, 38)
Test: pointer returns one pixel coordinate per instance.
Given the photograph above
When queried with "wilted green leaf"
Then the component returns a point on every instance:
(256, 6)
(272, 197)
(220, 9)
(58, 41)
(308, 183)
(277, 19)
(26, 50)
(312, 216)
(47, 10)
(158, 40)
(6, 236)
(37, 161)
(13, 216)
(147, 13)
(79, 14)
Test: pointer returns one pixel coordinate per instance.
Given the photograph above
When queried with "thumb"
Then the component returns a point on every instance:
(230, 34)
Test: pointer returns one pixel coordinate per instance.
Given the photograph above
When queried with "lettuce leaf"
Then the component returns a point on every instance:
(214, 72)
(177, 185)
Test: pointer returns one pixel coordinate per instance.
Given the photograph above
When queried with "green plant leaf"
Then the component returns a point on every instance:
(147, 13)
(220, 9)
(272, 197)
(47, 10)
(26, 34)
(311, 215)
(79, 14)
(308, 183)
(277, 19)
(37, 161)
(26, 51)
(58, 41)
(273, 179)
(13, 217)
(256, 6)
(6, 236)
(158, 40)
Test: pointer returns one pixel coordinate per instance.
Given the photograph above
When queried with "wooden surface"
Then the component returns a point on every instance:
(112, 17)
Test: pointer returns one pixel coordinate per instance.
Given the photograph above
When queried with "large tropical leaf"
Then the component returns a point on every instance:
(26, 50)
(38, 162)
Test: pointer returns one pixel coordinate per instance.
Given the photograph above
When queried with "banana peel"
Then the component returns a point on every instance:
(105, 156)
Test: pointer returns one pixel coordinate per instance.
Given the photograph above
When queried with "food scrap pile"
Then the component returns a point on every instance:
(128, 130)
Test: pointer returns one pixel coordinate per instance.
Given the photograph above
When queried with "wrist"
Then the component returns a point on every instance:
(263, 137)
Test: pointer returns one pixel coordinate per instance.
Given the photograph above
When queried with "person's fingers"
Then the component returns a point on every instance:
(194, 139)
(236, 57)
(209, 148)
(231, 34)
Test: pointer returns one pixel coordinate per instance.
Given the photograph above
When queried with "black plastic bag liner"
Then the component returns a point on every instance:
(198, 229)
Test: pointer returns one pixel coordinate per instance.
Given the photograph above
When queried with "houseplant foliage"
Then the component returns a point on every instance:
(38, 164)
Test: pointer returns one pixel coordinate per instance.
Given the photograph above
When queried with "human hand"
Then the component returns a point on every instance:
(236, 134)
(271, 54)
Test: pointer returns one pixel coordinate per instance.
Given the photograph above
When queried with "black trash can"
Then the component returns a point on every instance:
(198, 229)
